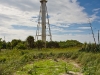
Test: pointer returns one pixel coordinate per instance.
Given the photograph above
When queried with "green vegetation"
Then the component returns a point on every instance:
(29, 43)
(47, 67)
(0, 44)
(91, 47)
(13, 60)
(26, 57)
(90, 58)
(70, 43)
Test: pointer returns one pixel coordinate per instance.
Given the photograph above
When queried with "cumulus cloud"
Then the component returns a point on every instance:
(23, 5)
(69, 11)
(25, 13)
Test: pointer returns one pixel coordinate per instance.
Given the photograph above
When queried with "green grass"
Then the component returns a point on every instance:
(12, 61)
(47, 67)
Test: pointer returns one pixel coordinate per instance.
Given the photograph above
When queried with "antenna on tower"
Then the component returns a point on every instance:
(43, 26)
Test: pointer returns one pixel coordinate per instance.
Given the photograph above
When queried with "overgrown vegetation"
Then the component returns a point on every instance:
(16, 54)
(91, 47)
(90, 58)
(47, 67)
(29, 43)
(12, 60)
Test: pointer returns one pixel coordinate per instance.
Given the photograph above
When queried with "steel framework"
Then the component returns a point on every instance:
(43, 26)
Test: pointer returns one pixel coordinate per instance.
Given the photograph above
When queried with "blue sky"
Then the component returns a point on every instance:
(68, 19)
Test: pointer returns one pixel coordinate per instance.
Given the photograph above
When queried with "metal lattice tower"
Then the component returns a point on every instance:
(43, 26)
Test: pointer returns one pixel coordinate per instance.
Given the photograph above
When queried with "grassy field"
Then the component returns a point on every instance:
(47, 67)
(34, 62)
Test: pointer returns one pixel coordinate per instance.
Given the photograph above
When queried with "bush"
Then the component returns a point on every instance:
(52, 44)
(91, 47)
(21, 46)
(40, 44)
(70, 43)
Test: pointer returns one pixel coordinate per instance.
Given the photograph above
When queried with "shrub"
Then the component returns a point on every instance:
(52, 44)
(40, 44)
(91, 47)
(21, 46)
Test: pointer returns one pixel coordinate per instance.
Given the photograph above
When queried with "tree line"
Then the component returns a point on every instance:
(29, 43)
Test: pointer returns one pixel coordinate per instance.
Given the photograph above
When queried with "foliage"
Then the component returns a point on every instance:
(8, 45)
(12, 60)
(70, 43)
(30, 42)
(21, 46)
(91, 47)
(0, 44)
(90, 62)
(47, 67)
(40, 44)
(3, 44)
(90, 59)
(14, 43)
(52, 44)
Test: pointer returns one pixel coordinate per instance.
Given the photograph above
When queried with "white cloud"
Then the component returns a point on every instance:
(15, 34)
(20, 12)
(84, 28)
(97, 9)
(16, 16)
(69, 12)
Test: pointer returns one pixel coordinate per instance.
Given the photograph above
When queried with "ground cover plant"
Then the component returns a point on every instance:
(90, 58)
(12, 61)
(47, 67)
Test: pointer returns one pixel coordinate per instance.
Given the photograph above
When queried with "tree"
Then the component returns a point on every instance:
(53, 44)
(21, 46)
(73, 43)
(30, 42)
(14, 42)
(8, 45)
(3, 44)
(0, 44)
(70, 43)
(40, 44)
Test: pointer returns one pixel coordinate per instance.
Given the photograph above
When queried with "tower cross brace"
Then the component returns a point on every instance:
(43, 27)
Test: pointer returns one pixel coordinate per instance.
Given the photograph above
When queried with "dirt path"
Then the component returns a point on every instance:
(75, 68)
(77, 65)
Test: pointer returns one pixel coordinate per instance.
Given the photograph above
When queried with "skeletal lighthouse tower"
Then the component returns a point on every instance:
(43, 27)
